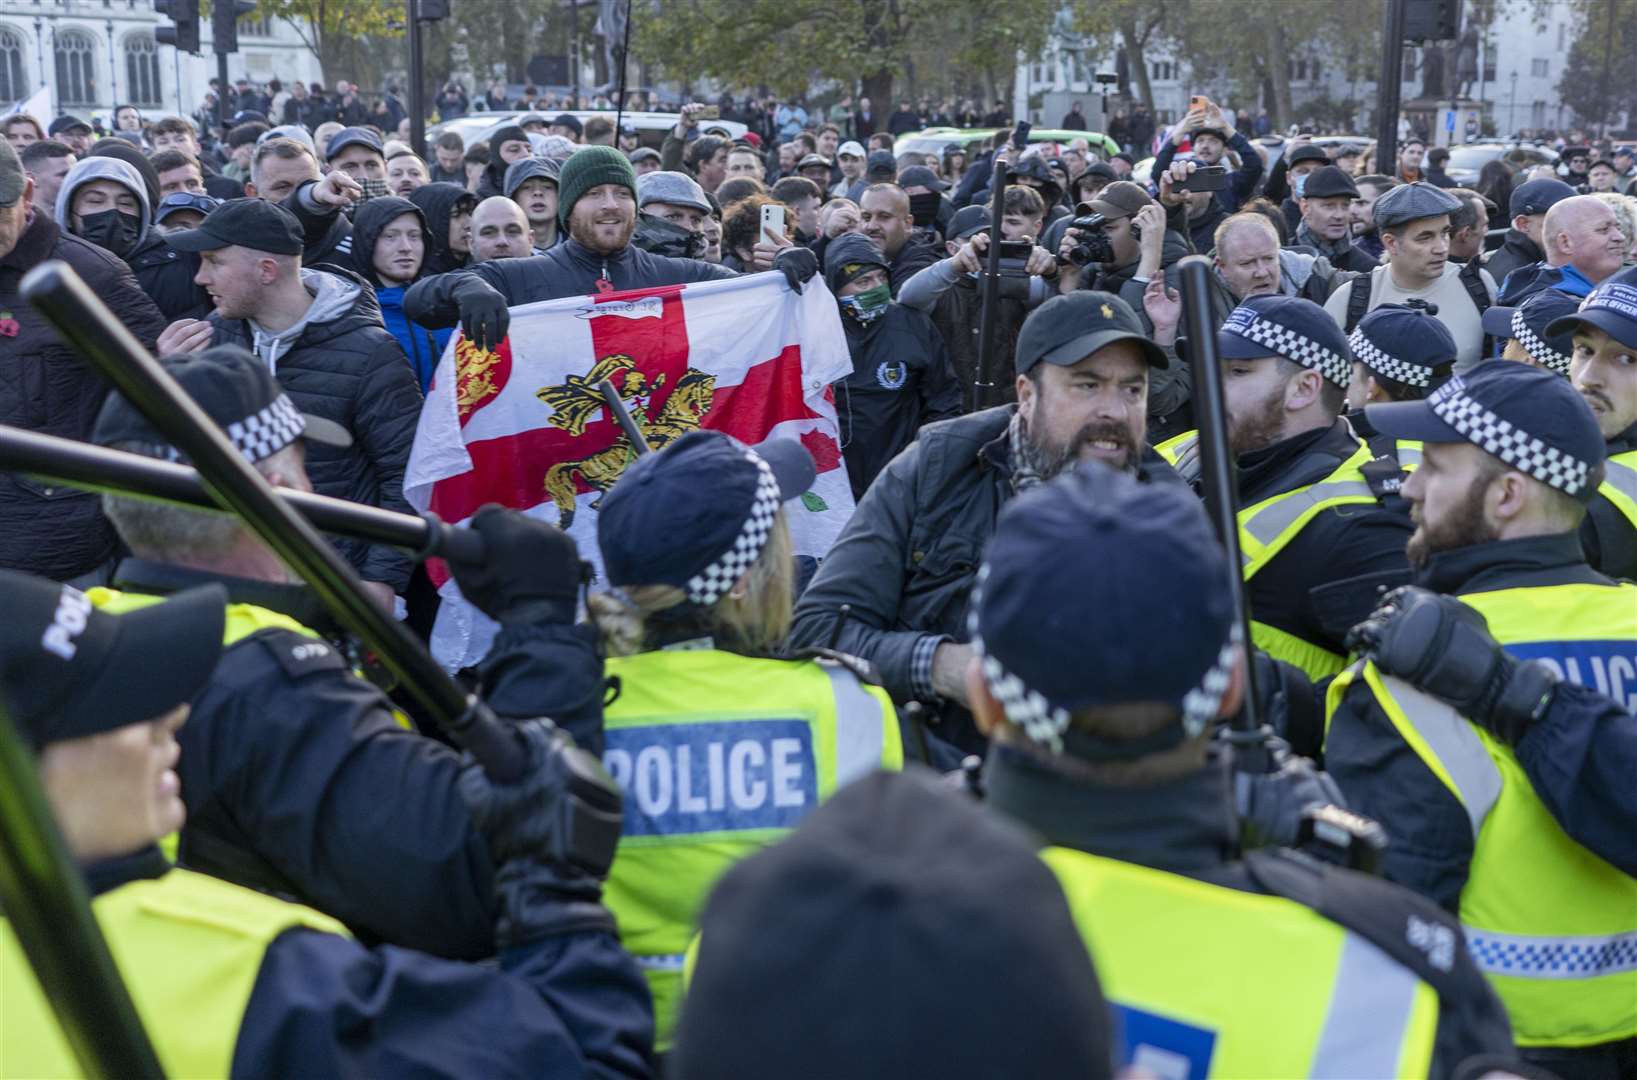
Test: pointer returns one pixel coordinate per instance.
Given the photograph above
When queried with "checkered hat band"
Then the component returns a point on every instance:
(1297, 348)
(713, 582)
(1366, 353)
(263, 434)
(1517, 448)
(1536, 346)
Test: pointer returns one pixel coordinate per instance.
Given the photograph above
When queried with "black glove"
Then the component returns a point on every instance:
(552, 835)
(483, 315)
(1271, 804)
(530, 571)
(797, 264)
(1443, 648)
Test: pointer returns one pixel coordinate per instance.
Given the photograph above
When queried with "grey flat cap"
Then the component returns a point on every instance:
(1410, 202)
(671, 187)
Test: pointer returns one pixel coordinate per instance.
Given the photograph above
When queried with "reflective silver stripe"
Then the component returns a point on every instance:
(1408, 455)
(1454, 741)
(1370, 1007)
(860, 725)
(663, 962)
(1622, 478)
(1552, 957)
(1268, 523)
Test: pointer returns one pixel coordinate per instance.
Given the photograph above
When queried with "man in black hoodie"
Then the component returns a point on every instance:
(448, 210)
(507, 145)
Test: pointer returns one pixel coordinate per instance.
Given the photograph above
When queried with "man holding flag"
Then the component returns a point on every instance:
(598, 209)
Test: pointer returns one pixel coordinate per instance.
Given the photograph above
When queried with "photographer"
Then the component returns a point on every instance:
(1102, 248)
(950, 290)
(1195, 213)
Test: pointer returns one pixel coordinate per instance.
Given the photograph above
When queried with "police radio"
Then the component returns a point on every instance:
(1342, 838)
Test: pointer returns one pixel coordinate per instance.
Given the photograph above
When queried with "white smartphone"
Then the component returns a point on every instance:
(773, 220)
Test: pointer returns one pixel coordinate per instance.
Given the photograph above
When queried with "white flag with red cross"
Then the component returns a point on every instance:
(525, 425)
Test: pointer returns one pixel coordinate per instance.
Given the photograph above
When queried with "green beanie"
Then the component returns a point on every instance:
(585, 169)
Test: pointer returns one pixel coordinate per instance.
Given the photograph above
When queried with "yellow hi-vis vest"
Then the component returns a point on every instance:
(1620, 484)
(720, 755)
(189, 948)
(1215, 982)
(1265, 528)
(1553, 926)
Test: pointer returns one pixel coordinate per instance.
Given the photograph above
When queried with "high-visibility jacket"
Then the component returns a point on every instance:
(1619, 484)
(1266, 527)
(720, 755)
(1553, 926)
(189, 948)
(1210, 981)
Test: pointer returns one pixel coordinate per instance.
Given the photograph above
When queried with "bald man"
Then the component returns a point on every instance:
(883, 212)
(499, 230)
(1583, 245)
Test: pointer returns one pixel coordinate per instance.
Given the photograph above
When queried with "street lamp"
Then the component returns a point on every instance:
(1512, 109)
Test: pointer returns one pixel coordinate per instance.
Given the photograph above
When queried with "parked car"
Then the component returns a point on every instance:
(651, 126)
(933, 140)
(1466, 161)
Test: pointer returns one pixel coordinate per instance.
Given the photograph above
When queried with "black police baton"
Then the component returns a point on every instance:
(622, 416)
(1216, 462)
(95, 468)
(87, 324)
(45, 902)
(983, 391)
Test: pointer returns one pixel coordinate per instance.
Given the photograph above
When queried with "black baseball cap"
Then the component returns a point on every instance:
(252, 223)
(352, 136)
(568, 120)
(1067, 329)
(68, 670)
(235, 390)
(968, 220)
(67, 123)
(881, 164)
(1538, 196)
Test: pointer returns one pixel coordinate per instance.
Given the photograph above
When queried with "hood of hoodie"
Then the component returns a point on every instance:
(341, 302)
(437, 203)
(104, 168)
(372, 219)
(1296, 267)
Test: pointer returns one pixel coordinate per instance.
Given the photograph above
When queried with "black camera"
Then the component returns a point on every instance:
(1013, 274)
(1094, 245)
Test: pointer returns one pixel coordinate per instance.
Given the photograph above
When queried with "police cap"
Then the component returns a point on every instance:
(1528, 324)
(1066, 329)
(1412, 202)
(1288, 327)
(1611, 308)
(1404, 344)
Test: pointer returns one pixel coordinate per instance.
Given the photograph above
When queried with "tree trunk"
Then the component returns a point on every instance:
(1138, 61)
(1279, 72)
(878, 88)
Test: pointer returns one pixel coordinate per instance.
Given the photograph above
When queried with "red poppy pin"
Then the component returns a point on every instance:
(8, 325)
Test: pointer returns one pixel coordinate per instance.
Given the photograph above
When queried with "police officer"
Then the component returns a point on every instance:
(289, 756)
(1414, 223)
(1399, 354)
(1512, 455)
(1522, 330)
(230, 982)
(720, 745)
(1326, 199)
(1604, 370)
(1101, 745)
(1315, 540)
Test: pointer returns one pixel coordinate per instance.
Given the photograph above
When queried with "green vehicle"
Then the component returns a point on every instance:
(933, 140)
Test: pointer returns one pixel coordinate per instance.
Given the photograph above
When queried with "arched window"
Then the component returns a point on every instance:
(76, 69)
(13, 87)
(142, 71)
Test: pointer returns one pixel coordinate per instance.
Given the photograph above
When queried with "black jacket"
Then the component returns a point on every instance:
(907, 558)
(47, 529)
(901, 379)
(166, 275)
(1609, 537)
(1241, 181)
(346, 367)
(437, 203)
(1517, 250)
(1327, 578)
(912, 258)
(326, 233)
(1580, 757)
(1183, 827)
(568, 269)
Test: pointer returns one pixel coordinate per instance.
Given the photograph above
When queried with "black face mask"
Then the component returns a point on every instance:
(111, 230)
(923, 207)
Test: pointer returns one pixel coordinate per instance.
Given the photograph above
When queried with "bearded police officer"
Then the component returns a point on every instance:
(289, 752)
(1101, 746)
(1523, 334)
(1477, 797)
(1604, 370)
(1399, 354)
(229, 982)
(1316, 542)
(904, 563)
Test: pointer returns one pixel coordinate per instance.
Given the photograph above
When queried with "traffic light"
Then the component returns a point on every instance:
(224, 23)
(185, 15)
(1431, 20)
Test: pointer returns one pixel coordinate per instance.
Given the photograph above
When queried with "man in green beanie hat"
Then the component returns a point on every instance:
(597, 207)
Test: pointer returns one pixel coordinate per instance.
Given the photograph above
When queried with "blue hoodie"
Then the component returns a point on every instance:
(423, 347)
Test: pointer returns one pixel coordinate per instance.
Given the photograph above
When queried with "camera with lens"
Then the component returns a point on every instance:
(1094, 245)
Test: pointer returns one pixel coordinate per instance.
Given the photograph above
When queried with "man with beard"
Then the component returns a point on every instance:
(597, 206)
(884, 212)
(1603, 367)
(1317, 544)
(1365, 234)
(1488, 765)
(905, 564)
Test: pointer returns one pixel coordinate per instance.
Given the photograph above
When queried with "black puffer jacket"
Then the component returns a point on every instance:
(569, 269)
(166, 275)
(343, 365)
(437, 203)
(46, 529)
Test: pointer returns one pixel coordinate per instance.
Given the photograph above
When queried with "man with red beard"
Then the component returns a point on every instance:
(1317, 544)
(597, 206)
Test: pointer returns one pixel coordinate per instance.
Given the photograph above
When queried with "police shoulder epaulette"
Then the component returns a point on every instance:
(861, 668)
(1384, 475)
(299, 655)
